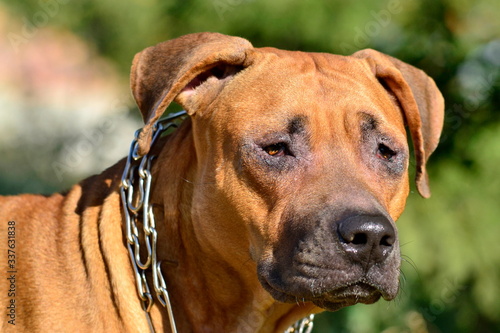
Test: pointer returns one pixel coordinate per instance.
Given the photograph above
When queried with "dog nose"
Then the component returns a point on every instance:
(367, 238)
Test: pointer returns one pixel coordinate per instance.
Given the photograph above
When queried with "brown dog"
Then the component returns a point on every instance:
(275, 199)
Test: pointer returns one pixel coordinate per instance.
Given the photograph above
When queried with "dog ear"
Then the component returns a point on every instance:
(421, 102)
(161, 73)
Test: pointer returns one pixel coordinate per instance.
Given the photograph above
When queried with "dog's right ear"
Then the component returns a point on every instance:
(177, 68)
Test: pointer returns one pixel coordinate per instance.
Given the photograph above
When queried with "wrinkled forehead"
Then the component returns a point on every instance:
(281, 85)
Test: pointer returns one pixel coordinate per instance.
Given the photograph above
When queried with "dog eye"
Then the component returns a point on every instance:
(385, 152)
(278, 149)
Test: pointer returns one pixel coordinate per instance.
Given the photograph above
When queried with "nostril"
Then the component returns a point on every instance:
(360, 239)
(387, 241)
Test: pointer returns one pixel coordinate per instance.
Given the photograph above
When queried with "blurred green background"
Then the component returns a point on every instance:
(65, 112)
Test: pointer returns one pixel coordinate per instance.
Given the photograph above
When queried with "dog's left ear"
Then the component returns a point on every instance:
(176, 68)
(421, 102)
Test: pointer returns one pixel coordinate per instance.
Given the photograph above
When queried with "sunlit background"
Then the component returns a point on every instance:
(66, 113)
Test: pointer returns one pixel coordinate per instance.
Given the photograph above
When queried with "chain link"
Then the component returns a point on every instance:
(302, 326)
(134, 191)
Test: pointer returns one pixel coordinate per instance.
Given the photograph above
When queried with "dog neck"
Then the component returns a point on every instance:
(211, 290)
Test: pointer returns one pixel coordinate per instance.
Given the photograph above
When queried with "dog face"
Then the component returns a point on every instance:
(316, 175)
(302, 160)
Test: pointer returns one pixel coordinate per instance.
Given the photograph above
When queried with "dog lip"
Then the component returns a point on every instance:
(359, 292)
(278, 294)
(333, 299)
(330, 296)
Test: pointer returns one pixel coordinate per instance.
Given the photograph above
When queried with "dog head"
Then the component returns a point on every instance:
(301, 158)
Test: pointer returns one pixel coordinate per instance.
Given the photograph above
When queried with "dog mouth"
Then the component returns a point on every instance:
(332, 299)
(348, 295)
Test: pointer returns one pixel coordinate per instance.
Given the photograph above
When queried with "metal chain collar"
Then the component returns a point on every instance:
(302, 326)
(135, 190)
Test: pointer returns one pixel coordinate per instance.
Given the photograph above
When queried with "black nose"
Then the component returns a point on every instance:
(367, 238)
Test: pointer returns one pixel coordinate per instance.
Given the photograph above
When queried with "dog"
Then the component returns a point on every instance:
(276, 197)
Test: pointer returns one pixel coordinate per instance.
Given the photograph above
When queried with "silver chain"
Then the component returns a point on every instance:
(135, 190)
(302, 326)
